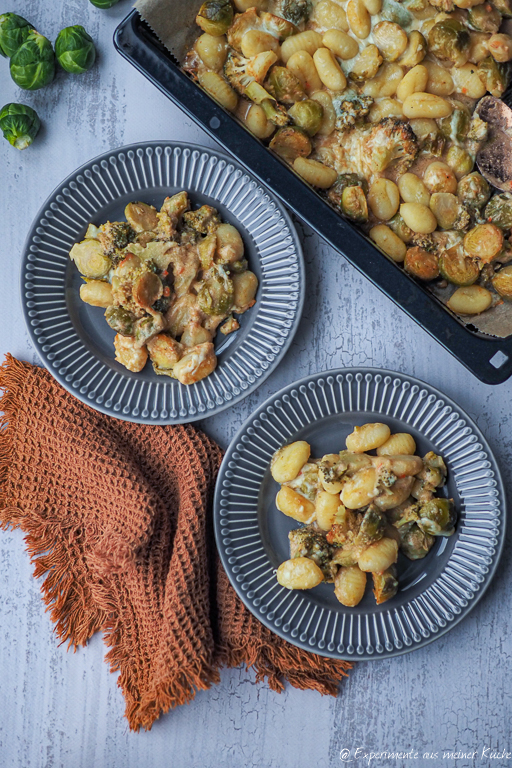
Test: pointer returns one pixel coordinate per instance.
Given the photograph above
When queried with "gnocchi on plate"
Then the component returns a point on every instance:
(358, 510)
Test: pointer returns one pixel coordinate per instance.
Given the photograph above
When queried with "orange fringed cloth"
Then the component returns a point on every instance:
(117, 522)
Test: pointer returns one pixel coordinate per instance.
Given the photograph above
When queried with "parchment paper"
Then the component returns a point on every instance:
(173, 22)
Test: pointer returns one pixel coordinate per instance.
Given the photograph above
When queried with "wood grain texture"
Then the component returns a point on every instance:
(63, 710)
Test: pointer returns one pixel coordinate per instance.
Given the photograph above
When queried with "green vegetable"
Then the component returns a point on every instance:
(75, 50)
(353, 204)
(215, 17)
(456, 126)
(385, 585)
(504, 7)
(19, 125)
(498, 210)
(14, 30)
(104, 3)
(460, 160)
(494, 76)
(450, 40)
(296, 11)
(343, 181)
(414, 543)
(33, 64)
(120, 320)
(437, 517)
(502, 282)
(473, 190)
(484, 18)
(285, 86)
(291, 142)
(455, 267)
(307, 115)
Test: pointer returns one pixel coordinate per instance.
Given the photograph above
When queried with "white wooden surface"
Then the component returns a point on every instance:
(64, 710)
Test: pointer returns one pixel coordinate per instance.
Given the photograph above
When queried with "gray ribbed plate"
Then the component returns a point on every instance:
(435, 593)
(73, 338)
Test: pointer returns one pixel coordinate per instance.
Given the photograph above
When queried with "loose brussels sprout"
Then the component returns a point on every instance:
(502, 282)
(354, 205)
(484, 242)
(307, 115)
(103, 4)
(421, 263)
(437, 517)
(499, 210)
(19, 124)
(285, 86)
(473, 190)
(494, 76)
(385, 585)
(33, 65)
(296, 11)
(455, 267)
(343, 181)
(372, 528)
(414, 543)
(215, 17)
(459, 160)
(456, 126)
(14, 30)
(484, 18)
(120, 320)
(449, 40)
(75, 50)
(215, 297)
(90, 259)
(291, 142)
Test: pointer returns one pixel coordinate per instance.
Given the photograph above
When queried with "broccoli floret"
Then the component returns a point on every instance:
(204, 221)
(308, 542)
(241, 71)
(350, 108)
(392, 141)
(265, 22)
(426, 242)
(114, 236)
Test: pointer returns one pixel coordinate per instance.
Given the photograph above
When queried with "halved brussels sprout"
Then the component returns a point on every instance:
(385, 585)
(147, 327)
(437, 517)
(414, 543)
(499, 210)
(343, 181)
(90, 258)
(147, 289)
(502, 282)
(354, 205)
(456, 126)
(19, 125)
(484, 18)
(421, 263)
(14, 30)
(473, 190)
(75, 50)
(449, 211)
(33, 65)
(494, 76)
(504, 7)
(291, 142)
(455, 267)
(120, 320)
(459, 160)
(449, 40)
(307, 115)
(296, 11)
(215, 296)
(164, 351)
(484, 242)
(215, 17)
(141, 217)
(285, 86)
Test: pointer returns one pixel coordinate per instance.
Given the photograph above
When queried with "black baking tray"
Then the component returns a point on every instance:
(488, 358)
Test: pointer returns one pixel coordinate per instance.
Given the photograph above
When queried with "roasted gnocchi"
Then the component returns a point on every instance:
(358, 510)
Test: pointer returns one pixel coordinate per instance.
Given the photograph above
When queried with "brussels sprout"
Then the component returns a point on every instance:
(103, 4)
(421, 263)
(372, 527)
(499, 210)
(484, 242)
(285, 86)
(459, 160)
(494, 76)
(437, 517)
(141, 217)
(147, 289)
(147, 327)
(291, 142)
(14, 30)
(484, 18)
(504, 7)
(307, 115)
(449, 40)
(120, 320)
(457, 268)
(429, 136)
(296, 11)
(400, 228)
(237, 267)
(215, 17)
(215, 296)
(75, 50)
(473, 190)
(385, 585)
(502, 282)
(456, 126)
(33, 64)
(343, 181)
(19, 124)
(204, 221)
(90, 259)
(414, 543)
(449, 211)
(308, 542)
(354, 205)
(275, 112)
